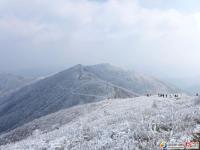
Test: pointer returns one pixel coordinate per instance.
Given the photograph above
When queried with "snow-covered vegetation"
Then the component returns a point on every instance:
(136, 123)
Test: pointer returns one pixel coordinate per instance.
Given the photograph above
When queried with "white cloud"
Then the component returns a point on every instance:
(116, 31)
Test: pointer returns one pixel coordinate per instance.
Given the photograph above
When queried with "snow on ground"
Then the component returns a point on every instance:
(137, 123)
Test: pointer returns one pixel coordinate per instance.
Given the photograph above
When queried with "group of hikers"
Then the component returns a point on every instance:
(168, 95)
(162, 95)
(165, 95)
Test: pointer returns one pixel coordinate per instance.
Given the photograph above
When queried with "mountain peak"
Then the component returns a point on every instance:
(78, 66)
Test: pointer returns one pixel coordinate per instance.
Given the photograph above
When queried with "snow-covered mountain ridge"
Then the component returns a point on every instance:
(74, 86)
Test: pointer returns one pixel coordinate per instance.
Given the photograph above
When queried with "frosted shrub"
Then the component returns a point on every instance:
(154, 105)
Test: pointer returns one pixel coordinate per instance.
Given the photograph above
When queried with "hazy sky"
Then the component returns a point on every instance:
(159, 37)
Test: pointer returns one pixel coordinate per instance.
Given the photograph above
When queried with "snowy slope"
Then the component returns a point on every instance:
(135, 123)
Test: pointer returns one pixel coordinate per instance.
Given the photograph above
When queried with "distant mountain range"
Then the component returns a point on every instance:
(10, 83)
(74, 86)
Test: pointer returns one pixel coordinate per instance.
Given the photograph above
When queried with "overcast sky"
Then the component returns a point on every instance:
(160, 37)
